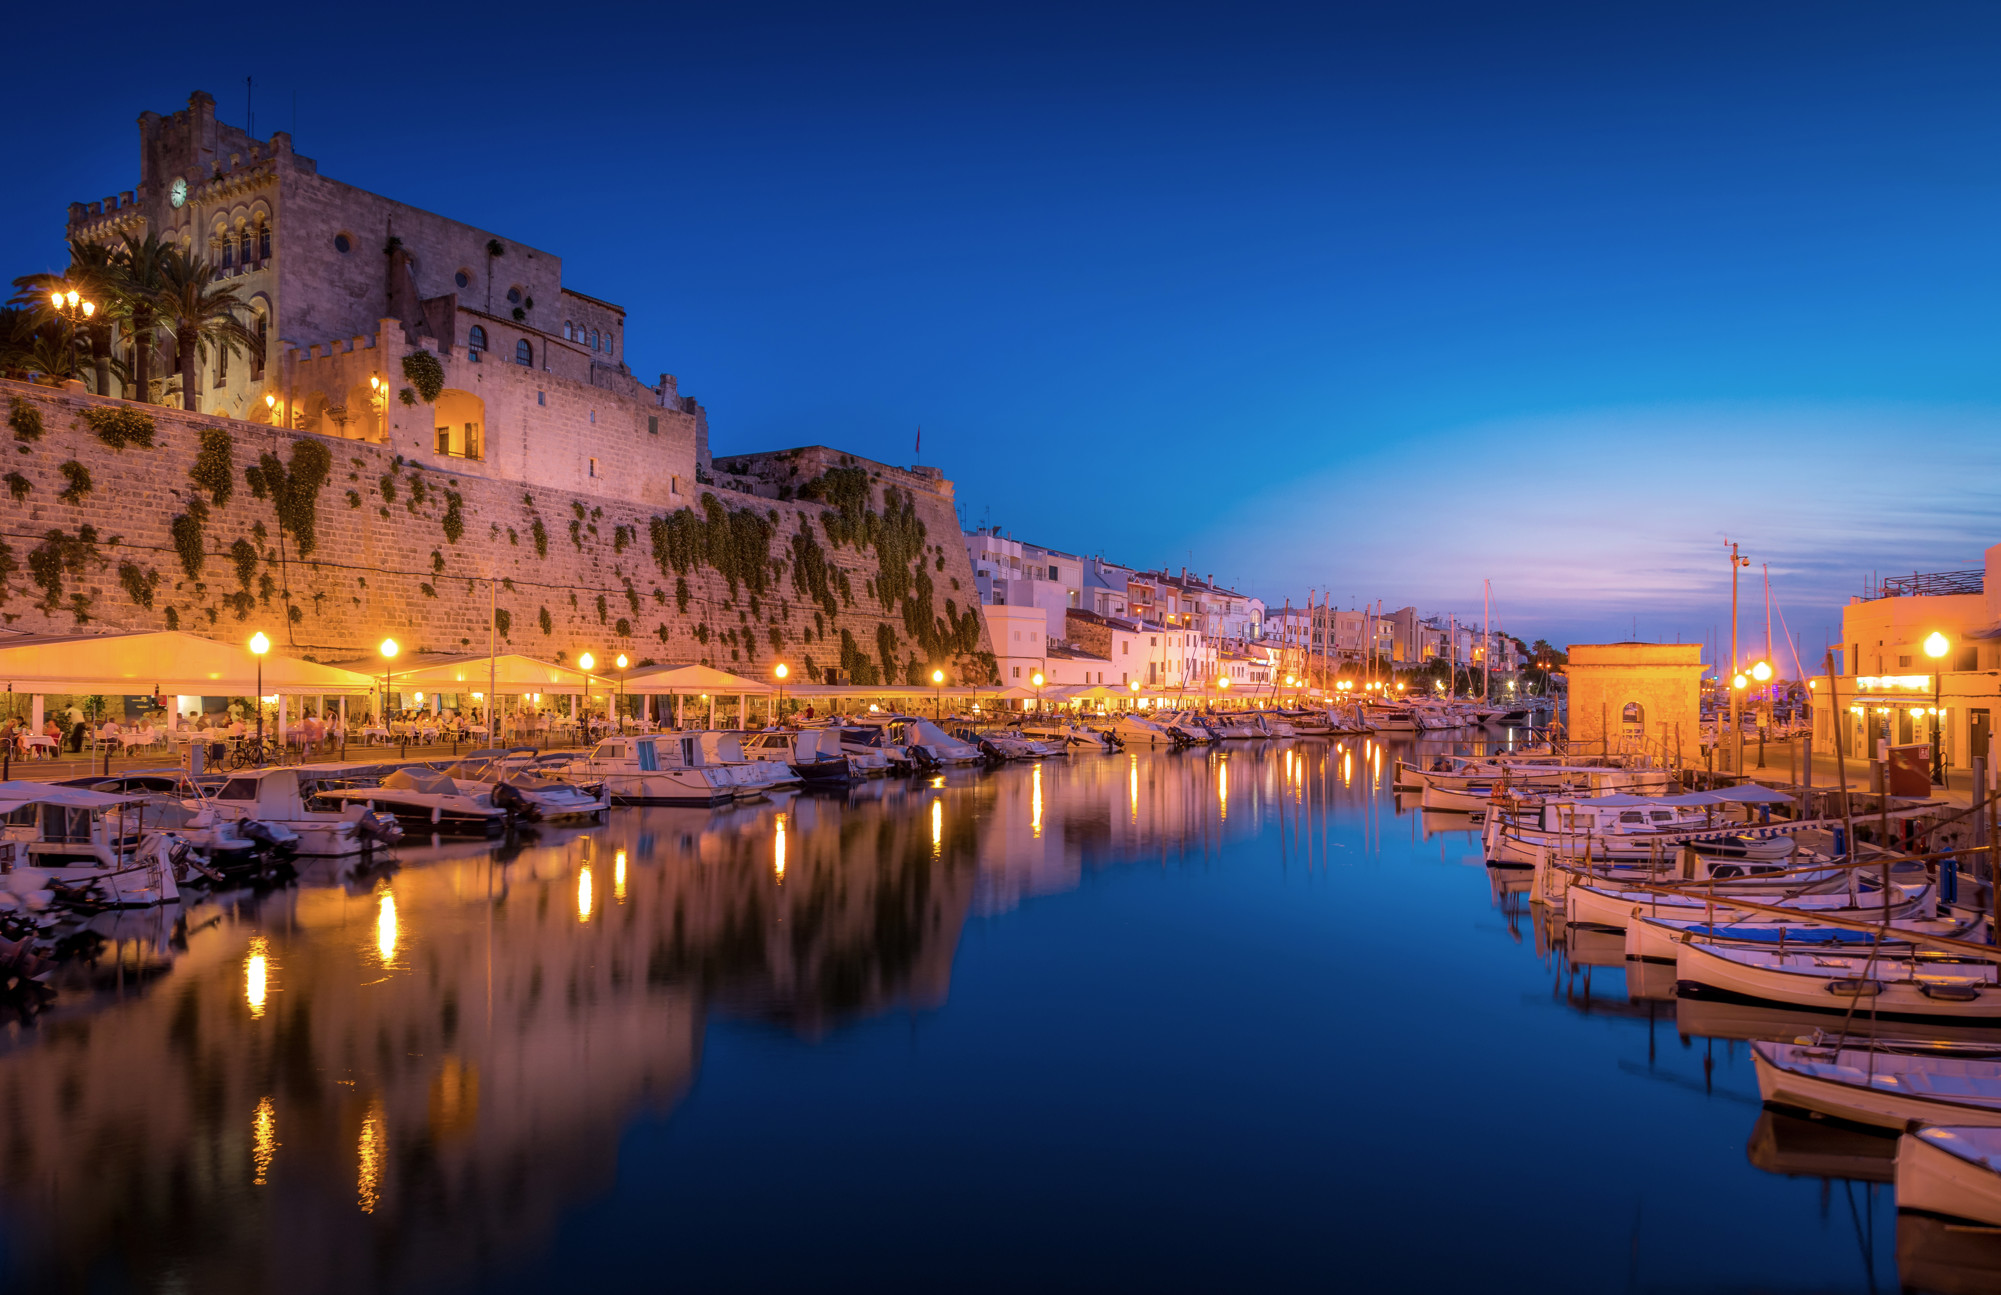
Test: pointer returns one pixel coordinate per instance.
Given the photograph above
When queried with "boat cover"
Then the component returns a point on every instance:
(18, 792)
(418, 778)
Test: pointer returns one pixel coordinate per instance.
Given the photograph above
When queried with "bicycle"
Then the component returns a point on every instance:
(252, 752)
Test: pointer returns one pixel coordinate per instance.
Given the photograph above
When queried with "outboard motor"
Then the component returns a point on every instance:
(510, 798)
(267, 840)
(375, 828)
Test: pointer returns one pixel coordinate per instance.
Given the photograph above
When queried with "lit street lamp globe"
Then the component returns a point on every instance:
(1937, 645)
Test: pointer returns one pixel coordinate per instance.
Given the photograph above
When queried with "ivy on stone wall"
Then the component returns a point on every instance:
(422, 370)
(846, 488)
(295, 489)
(119, 428)
(354, 499)
(139, 585)
(681, 594)
(621, 536)
(244, 558)
(601, 608)
(61, 555)
(25, 419)
(623, 628)
(885, 647)
(18, 486)
(856, 664)
(212, 470)
(78, 477)
(173, 618)
(454, 520)
(387, 484)
(187, 533)
(548, 622)
(503, 621)
(541, 535)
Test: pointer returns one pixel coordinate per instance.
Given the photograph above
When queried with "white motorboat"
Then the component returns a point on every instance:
(785, 757)
(869, 752)
(1141, 730)
(426, 801)
(90, 847)
(1951, 1171)
(633, 773)
(1914, 985)
(550, 799)
(292, 798)
(924, 741)
(1881, 1085)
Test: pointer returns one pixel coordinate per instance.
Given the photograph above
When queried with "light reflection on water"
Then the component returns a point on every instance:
(1236, 1011)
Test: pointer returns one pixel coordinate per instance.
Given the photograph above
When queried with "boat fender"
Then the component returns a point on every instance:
(1949, 993)
(436, 810)
(1855, 988)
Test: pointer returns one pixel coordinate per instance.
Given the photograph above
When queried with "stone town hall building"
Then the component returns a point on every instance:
(343, 284)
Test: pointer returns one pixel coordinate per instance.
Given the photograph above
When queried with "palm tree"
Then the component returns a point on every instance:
(200, 315)
(31, 346)
(139, 283)
(92, 274)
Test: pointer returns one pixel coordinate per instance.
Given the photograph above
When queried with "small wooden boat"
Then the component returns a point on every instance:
(1914, 986)
(1952, 1172)
(1882, 1085)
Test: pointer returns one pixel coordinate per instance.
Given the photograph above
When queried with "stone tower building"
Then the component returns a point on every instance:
(344, 285)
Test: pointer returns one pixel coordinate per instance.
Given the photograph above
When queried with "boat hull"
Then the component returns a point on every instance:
(1836, 986)
(1942, 1171)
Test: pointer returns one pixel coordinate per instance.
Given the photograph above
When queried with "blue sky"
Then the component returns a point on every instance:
(1378, 299)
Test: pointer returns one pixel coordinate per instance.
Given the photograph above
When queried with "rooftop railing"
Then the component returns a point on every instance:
(1932, 585)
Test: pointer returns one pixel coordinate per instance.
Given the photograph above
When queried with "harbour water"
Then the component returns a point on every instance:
(1222, 1019)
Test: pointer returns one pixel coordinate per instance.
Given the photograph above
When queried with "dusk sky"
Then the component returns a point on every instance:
(1383, 299)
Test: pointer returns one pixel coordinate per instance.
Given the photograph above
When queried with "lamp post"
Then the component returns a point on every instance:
(1222, 686)
(77, 312)
(779, 672)
(259, 645)
(621, 664)
(1761, 674)
(389, 651)
(938, 682)
(1036, 679)
(1736, 724)
(584, 663)
(1135, 697)
(1936, 646)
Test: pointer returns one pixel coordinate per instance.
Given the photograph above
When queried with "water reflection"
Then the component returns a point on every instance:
(407, 1083)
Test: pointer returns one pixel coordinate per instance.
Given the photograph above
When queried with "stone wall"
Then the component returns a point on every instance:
(540, 427)
(1663, 681)
(405, 548)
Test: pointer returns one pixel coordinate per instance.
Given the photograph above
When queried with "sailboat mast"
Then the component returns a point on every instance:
(1486, 639)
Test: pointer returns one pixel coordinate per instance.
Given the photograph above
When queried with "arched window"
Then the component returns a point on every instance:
(524, 353)
(463, 279)
(228, 250)
(594, 339)
(261, 325)
(248, 248)
(1633, 720)
(264, 241)
(566, 330)
(607, 343)
(475, 343)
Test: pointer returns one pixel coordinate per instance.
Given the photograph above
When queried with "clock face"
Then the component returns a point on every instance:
(177, 192)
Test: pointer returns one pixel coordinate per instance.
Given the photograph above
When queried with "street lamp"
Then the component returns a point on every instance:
(259, 645)
(584, 663)
(1222, 685)
(1036, 679)
(389, 651)
(77, 312)
(938, 682)
(780, 671)
(621, 663)
(1936, 646)
(1135, 688)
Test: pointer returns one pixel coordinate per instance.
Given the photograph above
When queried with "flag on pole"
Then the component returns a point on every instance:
(920, 440)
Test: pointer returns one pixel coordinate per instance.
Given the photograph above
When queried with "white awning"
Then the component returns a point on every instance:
(160, 662)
